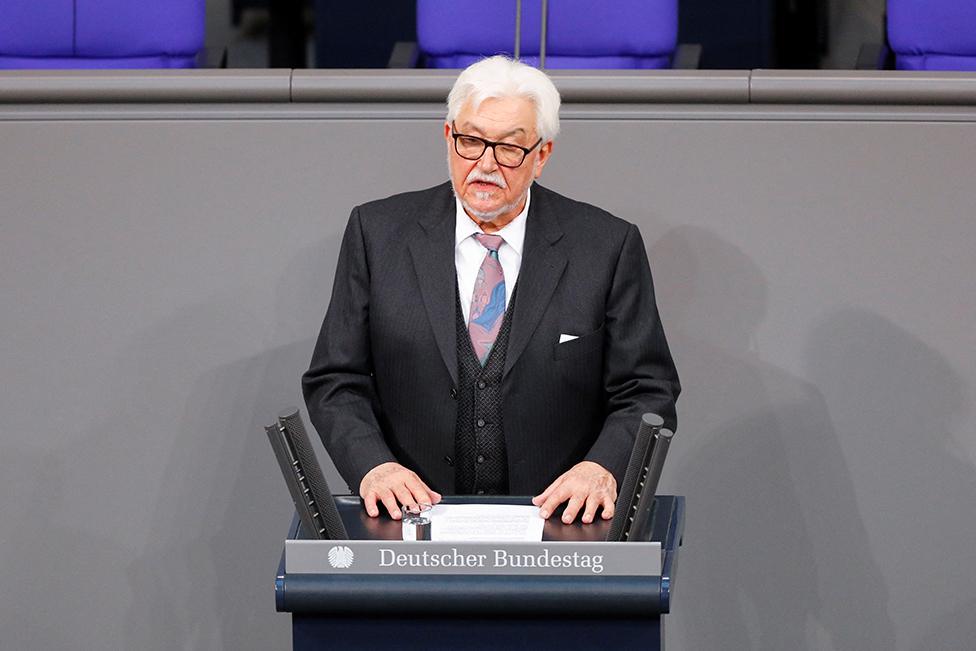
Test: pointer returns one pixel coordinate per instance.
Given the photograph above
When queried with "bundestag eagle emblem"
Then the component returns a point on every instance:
(340, 557)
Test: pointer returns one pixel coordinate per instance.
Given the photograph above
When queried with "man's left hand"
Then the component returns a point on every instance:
(586, 484)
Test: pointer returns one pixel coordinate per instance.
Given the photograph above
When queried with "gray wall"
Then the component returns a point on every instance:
(164, 269)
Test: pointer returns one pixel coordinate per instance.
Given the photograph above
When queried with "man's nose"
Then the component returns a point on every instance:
(487, 162)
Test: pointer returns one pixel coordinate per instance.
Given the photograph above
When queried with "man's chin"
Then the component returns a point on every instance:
(481, 215)
(487, 209)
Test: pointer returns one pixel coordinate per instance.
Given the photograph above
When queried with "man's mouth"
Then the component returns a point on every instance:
(483, 186)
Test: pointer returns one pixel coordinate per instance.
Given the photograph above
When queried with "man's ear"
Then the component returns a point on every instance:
(447, 132)
(544, 152)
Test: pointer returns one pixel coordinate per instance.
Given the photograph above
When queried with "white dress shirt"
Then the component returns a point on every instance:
(469, 253)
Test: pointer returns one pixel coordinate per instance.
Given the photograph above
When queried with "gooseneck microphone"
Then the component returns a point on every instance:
(309, 490)
(634, 478)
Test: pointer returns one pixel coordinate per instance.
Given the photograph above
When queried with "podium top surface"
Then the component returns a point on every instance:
(360, 526)
(416, 595)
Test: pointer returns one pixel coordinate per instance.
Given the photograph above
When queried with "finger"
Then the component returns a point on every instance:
(592, 502)
(435, 496)
(404, 496)
(569, 514)
(417, 494)
(608, 507)
(369, 501)
(544, 495)
(389, 501)
(552, 502)
(421, 493)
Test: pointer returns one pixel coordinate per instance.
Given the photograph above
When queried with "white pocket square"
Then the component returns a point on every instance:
(564, 338)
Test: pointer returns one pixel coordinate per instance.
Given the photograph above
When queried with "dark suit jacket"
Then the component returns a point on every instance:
(383, 376)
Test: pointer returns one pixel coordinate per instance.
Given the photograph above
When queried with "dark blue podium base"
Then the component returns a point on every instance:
(316, 633)
(598, 613)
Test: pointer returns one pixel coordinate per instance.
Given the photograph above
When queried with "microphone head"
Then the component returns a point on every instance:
(652, 420)
(291, 415)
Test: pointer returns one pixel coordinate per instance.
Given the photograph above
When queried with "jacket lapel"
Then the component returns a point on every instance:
(543, 263)
(432, 249)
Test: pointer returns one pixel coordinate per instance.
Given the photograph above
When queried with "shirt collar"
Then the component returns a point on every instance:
(513, 233)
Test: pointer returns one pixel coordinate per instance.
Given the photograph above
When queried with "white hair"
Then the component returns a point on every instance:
(498, 77)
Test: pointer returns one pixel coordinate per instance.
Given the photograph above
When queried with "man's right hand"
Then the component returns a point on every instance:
(392, 484)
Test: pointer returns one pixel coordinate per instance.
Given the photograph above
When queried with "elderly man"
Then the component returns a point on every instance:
(487, 335)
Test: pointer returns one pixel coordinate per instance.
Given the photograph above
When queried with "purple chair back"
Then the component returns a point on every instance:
(933, 34)
(579, 33)
(101, 33)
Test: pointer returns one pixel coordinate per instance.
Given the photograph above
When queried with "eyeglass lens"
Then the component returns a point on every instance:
(472, 148)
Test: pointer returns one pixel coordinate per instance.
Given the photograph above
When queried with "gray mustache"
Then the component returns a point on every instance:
(477, 175)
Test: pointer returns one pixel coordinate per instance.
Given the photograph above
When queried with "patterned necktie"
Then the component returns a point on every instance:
(488, 299)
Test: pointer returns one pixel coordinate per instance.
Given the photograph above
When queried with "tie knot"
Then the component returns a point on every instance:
(490, 242)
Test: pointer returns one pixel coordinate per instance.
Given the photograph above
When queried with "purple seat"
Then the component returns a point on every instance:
(101, 33)
(933, 34)
(579, 33)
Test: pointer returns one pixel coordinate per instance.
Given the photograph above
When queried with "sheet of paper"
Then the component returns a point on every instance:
(485, 523)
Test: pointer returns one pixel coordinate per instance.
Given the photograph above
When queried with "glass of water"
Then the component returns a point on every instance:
(415, 521)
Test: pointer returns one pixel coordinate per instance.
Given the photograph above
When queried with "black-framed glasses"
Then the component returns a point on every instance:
(506, 153)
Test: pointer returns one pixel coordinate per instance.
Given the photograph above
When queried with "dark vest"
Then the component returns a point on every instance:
(480, 461)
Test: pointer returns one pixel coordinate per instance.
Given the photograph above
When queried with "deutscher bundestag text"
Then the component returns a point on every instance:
(499, 558)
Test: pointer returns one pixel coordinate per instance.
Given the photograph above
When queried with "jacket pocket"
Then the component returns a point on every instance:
(591, 341)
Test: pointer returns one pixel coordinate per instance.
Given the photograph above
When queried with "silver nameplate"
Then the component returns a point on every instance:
(548, 558)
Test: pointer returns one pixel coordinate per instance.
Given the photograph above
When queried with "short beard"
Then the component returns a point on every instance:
(492, 215)
(483, 216)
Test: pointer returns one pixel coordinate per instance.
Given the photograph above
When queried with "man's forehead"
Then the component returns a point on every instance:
(494, 129)
(508, 116)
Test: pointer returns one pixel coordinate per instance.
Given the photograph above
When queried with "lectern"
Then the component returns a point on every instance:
(350, 610)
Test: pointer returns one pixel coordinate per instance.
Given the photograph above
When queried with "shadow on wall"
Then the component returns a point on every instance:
(206, 576)
(900, 407)
(209, 585)
(177, 474)
(775, 553)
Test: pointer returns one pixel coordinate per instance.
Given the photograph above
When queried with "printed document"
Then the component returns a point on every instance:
(485, 523)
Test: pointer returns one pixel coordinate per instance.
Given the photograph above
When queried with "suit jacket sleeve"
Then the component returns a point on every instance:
(338, 385)
(639, 374)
